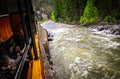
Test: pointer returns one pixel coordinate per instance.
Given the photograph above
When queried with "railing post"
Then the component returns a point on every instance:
(31, 25)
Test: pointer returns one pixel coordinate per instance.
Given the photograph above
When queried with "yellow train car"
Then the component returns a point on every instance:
(20, 52)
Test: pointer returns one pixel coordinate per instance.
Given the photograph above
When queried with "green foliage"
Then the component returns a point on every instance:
(109, 19)
(68, 10)
(45, 6)
(53, 15)
(112, 17)
(90, 13)
(85, 11)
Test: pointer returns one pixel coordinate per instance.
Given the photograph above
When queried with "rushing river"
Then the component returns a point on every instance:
(82, 53)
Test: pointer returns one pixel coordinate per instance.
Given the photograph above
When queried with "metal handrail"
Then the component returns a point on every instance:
(21, 64)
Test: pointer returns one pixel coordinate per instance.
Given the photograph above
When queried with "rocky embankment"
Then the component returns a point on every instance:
(108, 29)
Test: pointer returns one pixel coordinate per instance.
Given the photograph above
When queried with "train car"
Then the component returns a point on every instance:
(20, 53)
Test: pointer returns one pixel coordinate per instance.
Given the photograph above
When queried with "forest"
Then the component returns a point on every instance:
(86, 11)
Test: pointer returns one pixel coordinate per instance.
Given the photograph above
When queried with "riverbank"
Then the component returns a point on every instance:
(108, 28)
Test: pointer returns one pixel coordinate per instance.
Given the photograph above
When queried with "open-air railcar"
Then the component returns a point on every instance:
(20, 54)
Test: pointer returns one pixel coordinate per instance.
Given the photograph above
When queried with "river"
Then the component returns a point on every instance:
(82, 53)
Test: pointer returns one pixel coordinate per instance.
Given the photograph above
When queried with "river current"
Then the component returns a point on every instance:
(83, 53)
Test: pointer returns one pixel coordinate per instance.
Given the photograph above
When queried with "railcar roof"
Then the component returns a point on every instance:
(9, 6)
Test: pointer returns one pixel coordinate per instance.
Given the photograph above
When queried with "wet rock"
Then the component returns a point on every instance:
(50, 37)
(108, 29)
(100, 28)
(117, 32)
